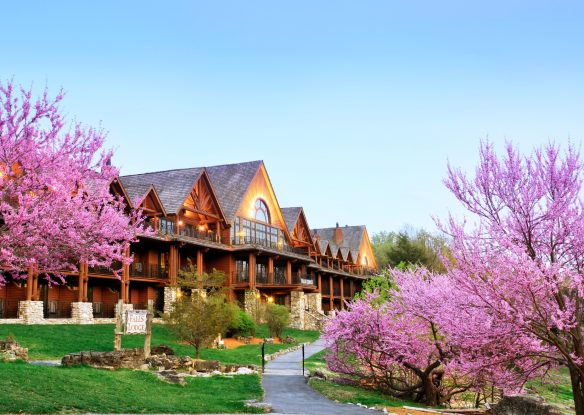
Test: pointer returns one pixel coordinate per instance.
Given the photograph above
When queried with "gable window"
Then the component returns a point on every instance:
(262, 213)
(166, 226)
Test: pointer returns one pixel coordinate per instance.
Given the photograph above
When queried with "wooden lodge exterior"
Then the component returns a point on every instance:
(221, 217)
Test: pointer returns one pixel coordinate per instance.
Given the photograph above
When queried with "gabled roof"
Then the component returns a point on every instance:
(322, 245)
(344, 252)
(231, 182)
(291, 215)
(352, 235)
(172, 186)
(138, 192)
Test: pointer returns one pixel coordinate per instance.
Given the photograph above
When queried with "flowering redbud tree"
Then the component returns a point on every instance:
(56, 208)
(422, 342)
(522, 261)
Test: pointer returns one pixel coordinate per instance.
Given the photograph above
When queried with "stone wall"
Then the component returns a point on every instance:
(170, 296)
(31, 312)
(82, 313)
(10, 350)
(251, 304)
(297, 308)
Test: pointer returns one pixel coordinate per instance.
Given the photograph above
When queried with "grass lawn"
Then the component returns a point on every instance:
(49, 342)
(347, 393)
(557, 389)
(38, 389)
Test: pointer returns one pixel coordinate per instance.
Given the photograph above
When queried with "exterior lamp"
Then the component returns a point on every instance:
(201, 227)
(258, 295)
(180, 223)
(178, 294)
(270, 299)
(280, 243)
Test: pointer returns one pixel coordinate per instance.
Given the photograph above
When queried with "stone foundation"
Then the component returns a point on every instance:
(306, 311)
(170, 296)
(125, 307)
(251, 304)
(31, 312)
(82, 313)
(297, 308)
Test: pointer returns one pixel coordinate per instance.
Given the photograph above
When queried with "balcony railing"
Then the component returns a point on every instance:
(263, 277)
(57, 309)
(197, 234)
(142, 270)
(248, 240)
(240, 277)
(104, 310)
(280, 276)
(8, 308)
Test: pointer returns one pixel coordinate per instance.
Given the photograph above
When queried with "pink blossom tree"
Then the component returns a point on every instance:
(521, 263)
(426, 342)
(56, 208)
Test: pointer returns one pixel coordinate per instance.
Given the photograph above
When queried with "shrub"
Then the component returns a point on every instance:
(244, 326)
(277, 317)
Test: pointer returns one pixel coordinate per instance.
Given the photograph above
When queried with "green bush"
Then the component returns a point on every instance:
(244, 326)
(277, 317)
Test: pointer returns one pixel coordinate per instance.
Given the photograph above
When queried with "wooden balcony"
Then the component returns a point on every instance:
(149, 271)
(248, 240)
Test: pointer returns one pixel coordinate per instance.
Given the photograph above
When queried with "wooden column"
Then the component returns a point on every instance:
(288, 272)
(173, 264)
(320, 283)
(200, 265)
(270, 270)
(29, 283)
(35, 285)
(252, 270)
(126, 279)
(342, 282)
(351, 288)
(331, 292)
(81, 284)
(218, 231)
(86, 285)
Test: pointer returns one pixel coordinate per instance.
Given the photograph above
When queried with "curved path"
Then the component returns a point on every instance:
(286, 389)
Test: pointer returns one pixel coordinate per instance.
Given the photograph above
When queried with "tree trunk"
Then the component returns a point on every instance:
(198, 352)
(430, 391)
(577, 390)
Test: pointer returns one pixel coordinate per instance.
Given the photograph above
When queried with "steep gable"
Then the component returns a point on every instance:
(297, 225)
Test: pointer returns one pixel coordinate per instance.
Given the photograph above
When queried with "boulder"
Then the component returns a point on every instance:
(162, 349)
(524, 405)
(10, 350)
(117, 359)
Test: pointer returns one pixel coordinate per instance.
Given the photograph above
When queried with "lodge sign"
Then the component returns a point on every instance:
(136, 322)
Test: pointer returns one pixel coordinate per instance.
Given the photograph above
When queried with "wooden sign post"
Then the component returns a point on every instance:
(133, 322)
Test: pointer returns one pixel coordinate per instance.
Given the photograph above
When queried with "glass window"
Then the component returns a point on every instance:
(166, 225)
(261, 211)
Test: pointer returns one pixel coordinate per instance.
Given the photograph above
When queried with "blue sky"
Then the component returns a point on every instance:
(355, 107)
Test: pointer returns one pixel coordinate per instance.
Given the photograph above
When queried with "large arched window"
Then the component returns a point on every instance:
(261, 211)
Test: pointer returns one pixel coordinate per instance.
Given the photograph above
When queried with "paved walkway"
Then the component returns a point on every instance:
(288, 393)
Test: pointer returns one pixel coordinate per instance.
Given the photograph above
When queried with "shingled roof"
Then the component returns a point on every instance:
(172, 186)
(291, 215)
(231, 182)
(352, 236)
(137, 193)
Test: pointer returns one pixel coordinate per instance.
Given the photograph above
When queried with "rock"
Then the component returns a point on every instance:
(244, 371)
(10, 350)
(145, 367)
(288, 340)
(125, 358)
(524, 405)
(269, 340)
(170, 376)
(162, 349)
(206, 366)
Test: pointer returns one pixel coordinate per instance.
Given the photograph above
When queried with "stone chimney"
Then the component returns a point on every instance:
(338, 236)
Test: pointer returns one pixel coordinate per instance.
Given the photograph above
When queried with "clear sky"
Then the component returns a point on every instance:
(355, 106)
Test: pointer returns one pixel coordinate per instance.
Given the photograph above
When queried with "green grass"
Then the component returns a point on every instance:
(347, 393)
(353, 394)
(49, 342)
(556, 389)
(38, 389)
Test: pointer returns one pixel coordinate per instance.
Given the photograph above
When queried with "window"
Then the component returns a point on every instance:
(261, 211)
(166, 226)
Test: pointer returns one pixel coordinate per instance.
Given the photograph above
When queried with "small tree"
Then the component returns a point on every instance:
(199, 318)
(277, 318)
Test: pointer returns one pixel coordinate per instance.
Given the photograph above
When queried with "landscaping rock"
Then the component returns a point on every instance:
(269, 340)
(524, 405)
(125, 358)
(10, 350)
(288, 340)
(162, 349)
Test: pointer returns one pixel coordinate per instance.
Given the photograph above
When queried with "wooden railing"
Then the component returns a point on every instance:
(142, 270)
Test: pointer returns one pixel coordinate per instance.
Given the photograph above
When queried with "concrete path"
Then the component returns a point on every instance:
(288, 393)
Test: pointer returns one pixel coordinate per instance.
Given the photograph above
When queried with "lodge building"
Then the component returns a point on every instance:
(220, 217)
